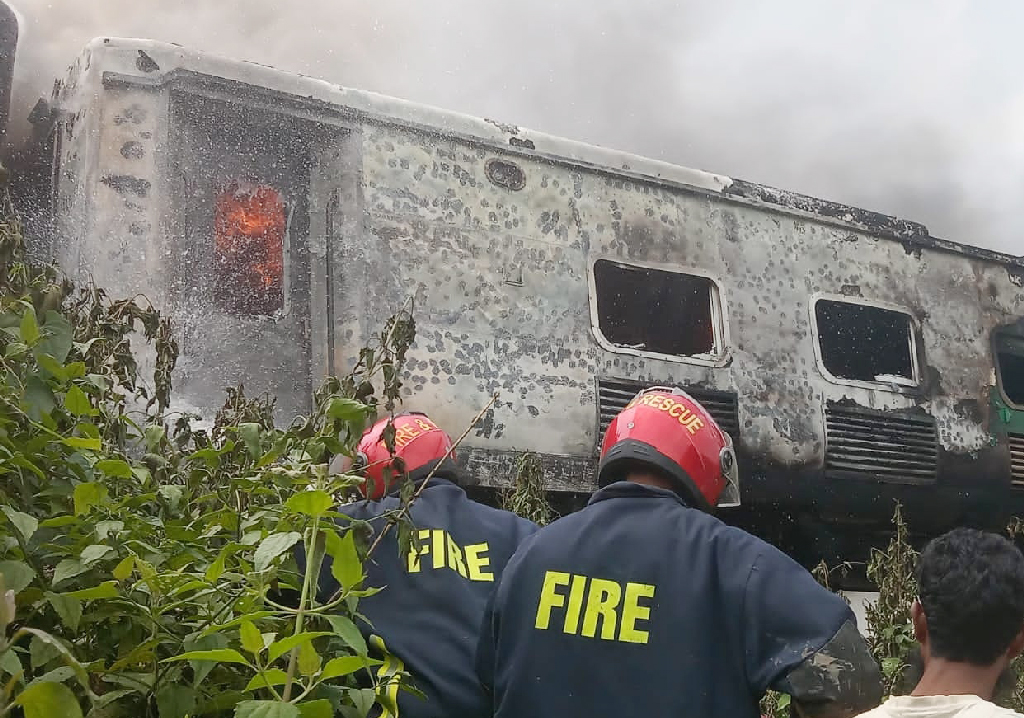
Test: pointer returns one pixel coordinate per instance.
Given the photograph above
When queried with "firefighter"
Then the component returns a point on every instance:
(429, 613)
(643, 604)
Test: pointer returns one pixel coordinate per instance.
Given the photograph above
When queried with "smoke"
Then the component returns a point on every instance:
(909, 108)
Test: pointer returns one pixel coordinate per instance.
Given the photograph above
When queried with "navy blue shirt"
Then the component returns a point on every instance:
(431, 609)
(639, 605)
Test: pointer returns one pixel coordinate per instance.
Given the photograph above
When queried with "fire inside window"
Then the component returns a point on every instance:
(249, 227)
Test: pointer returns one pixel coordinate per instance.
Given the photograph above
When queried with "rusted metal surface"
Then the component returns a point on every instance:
(393, 200)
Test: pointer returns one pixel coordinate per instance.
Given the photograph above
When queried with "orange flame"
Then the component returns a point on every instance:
(249, 227)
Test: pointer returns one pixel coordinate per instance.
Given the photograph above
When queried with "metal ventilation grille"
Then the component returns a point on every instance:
(614, 394)
(1016, 442)
(879, 444)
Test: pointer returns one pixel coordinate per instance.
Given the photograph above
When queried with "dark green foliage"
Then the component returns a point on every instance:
(145, 565)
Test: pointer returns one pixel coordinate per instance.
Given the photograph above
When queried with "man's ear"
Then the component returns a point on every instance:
(920, 622)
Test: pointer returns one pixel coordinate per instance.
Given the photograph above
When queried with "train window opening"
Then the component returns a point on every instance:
(860, 342)
(1010, 364)
(657, 311)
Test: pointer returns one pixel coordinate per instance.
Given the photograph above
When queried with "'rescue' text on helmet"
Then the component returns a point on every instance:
(676, 410)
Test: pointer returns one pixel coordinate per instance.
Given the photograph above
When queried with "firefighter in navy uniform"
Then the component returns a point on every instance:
(429, 613)
(644, 604)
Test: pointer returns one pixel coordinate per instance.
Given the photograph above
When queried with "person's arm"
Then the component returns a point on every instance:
(802, 640)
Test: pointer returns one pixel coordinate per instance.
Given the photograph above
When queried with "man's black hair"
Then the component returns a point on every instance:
(971, 587)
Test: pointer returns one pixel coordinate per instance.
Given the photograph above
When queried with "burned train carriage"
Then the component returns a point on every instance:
(853, 358)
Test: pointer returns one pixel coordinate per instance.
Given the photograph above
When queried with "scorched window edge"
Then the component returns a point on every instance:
(719, 320)
(914, 344)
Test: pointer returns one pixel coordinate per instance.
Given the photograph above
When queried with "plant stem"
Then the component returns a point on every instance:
(301, 613)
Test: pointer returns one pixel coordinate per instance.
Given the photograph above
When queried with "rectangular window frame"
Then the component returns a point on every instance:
(720, 324)
(915, 344)
(1003, 329)
(286, 308)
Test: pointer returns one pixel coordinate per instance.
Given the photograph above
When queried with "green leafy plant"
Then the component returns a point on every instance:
(147, 567)
(891, 633)
(526, 497)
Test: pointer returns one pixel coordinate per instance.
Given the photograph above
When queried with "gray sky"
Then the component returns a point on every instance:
(910, 107)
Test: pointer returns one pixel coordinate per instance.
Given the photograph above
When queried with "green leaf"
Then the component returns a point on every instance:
(75, 370)
(10, 663)
(57, 675)
(41, 651)
(76, 402)
(124, 569)
(266, 709)
(310, 503)
(29, 330)
(250, 434)
(347, 409)
(252, 640)
(219, 655)
(88, 495)
(25, 524)
(216, 569)
(273, 546)
(58, 521)
(175, 701)
(110, 697)
(48, 700)
(15, 349)
(82, 442)
(106, 529)
(363, 699)
(316, 709)
(95, 552)
(45, 647)
(345, 629)
(201, 669)
(342, 666)
(345, 565)
(271, 677)
(308, 660)
(56, 336)
(69, 609)
(67, 568)
(53, 366)
(154, 435)
(107, 589)
(279, 648)
(38, 401)
(115, 467)
(172, 493)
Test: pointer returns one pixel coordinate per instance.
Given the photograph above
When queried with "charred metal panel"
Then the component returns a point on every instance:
(880, 445)
(407, 201)
(142, 167)
(1016, 442)
(498, 469)
(217, 143)
(614, 394)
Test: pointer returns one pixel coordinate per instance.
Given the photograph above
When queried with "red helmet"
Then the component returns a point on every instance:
(667, 429)
(419, 445)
